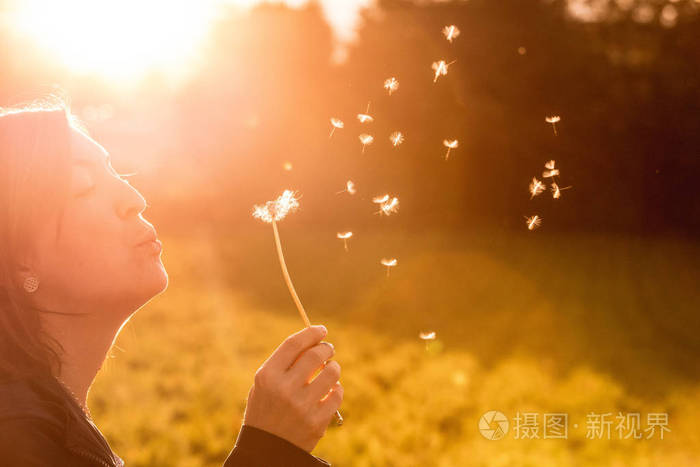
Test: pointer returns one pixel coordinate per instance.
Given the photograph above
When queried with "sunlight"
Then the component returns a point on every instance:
(120, 40)
(126, 40)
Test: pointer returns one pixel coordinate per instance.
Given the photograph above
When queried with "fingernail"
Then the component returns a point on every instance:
(323, 329)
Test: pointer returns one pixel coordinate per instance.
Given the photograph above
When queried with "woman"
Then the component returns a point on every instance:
(77, 259)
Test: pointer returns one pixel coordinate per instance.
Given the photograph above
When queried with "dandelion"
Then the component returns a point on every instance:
(271, 212)
(380, 199)
(427, 336)
(550, 173)
(450, 32)
(287, 166)
(441, 68)
(389, 206)
(396, 138)
(344, 237)
(389, 263)
(533, 222)
(336, 123)
(536, 187)
(556, 191)
(349, 188)
(391, 85)
(553, 120)
(549, 164)
(365, 117)
(449, 144)
(365, 139)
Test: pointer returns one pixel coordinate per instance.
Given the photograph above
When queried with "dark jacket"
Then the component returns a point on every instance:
(42, 425)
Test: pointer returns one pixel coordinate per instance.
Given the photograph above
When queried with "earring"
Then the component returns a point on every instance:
(31, 283)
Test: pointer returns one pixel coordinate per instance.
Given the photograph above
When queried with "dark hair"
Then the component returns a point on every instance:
(34, 180)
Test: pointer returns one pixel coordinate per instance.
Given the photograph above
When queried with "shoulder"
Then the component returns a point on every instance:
(32, 425)
(22, 398)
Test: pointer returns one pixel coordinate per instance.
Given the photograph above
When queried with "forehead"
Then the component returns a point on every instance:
(86, 149)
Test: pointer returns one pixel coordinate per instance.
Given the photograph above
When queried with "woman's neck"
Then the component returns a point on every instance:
(86, 339)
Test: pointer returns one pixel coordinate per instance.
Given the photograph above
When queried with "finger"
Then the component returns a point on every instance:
(310, 361)
(288, 351)
(325, 381)
(329, 405)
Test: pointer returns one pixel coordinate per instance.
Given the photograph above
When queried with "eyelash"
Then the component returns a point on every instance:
(92, 188)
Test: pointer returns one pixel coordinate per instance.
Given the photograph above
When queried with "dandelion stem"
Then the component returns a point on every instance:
(288, 279)
(295, 297)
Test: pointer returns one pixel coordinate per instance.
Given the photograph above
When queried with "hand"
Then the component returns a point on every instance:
(285, 401)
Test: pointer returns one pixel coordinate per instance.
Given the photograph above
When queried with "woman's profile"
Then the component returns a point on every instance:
(77, 260)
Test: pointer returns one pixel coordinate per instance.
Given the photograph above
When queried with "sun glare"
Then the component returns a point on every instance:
(116, 39)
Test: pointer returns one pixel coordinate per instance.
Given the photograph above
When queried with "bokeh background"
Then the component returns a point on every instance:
(219, 105)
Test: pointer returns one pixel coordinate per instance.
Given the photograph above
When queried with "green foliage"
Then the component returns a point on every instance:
(524, 324)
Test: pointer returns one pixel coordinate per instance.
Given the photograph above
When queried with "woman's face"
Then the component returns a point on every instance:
(94, 265)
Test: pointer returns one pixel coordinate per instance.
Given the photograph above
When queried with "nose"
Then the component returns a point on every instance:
(129, 201)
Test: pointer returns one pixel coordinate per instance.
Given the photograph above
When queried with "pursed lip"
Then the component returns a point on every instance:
(148, 236)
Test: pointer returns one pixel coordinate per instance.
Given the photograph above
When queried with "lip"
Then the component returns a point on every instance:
(155, 246)
(148, 237)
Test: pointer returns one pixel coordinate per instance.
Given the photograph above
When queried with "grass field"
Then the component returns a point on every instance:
(525, 323)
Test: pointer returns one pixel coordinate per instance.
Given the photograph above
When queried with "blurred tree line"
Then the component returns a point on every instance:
(264, 89)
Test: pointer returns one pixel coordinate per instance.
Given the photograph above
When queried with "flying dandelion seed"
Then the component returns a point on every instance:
(550, 173)
(388, 207)
(365, 117)
(287, 166)
(450, 32)
(271, 212)
(450, 145)
(344, 237)
(533, 222)
(549, 164)
(553, 120)
(336, 123)
(536, 187)
(396, 138)
(556, 191)
(427, 336)
(365, 139)
(349, 188)
(389, 263)
(391, 85)
(380, 199)
(441, 68)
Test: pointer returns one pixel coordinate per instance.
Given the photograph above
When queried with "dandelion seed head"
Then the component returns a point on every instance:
(450, 32)
(556, 193)
(380, 199)
(344, 235)
(427, 336)
(337, 123)
(389, 207)
(277, 209)
(533, 222)
(366, 139)
(549, 164)
(450, 143)
(389, 262)
(440, 68)
(391, 85)
(350, 187)
(396, 138)
(536, 187)
(553, 119)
